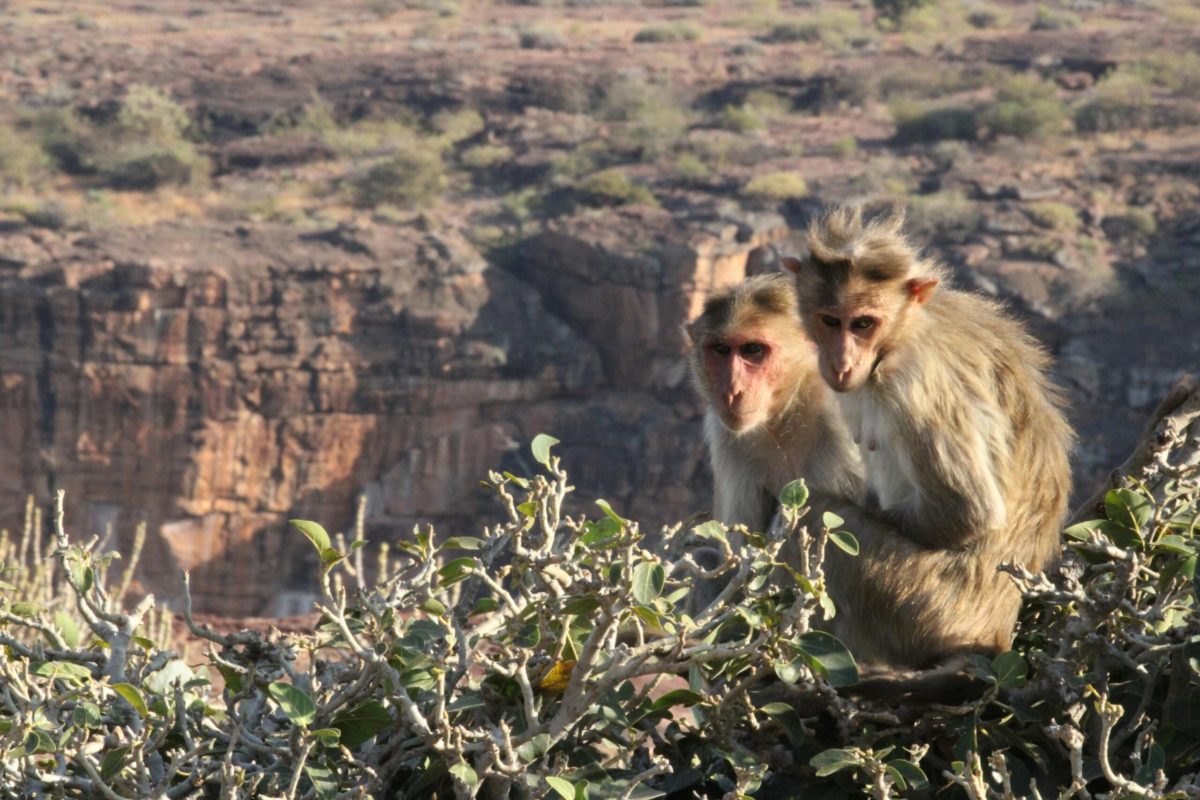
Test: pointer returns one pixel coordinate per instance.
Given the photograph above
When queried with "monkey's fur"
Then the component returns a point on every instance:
(771, 421)
(963, 440)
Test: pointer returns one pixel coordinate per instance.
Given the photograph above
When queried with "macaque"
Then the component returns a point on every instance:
(769, 417)
(963, 441)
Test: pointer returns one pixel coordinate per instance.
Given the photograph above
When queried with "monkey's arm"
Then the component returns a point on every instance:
(740, 499)
(955, 468)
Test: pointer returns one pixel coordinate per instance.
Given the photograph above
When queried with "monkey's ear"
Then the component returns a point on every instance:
(921, 289)
(791, 264)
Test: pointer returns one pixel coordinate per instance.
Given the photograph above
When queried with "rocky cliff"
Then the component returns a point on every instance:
(216, 381)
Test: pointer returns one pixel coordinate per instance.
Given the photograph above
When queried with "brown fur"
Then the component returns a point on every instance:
(963, 438)
(794, 432)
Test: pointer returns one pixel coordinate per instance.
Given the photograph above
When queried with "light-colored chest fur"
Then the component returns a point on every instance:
(888, 469)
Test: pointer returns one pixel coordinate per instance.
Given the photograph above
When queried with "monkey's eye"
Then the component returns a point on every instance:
(720, 348)
(863, 324)
(752, 349)
(831, 321)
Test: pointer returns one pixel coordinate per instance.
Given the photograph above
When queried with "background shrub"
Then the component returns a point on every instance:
(1026, 107)
(779, 185)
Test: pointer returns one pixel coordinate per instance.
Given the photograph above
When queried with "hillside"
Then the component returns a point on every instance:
(257, 260)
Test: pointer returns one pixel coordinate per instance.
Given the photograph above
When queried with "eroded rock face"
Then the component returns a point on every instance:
(216, 381)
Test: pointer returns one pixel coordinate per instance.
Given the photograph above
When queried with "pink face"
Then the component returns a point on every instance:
(848, 340)
(850, 336)
(743, 372)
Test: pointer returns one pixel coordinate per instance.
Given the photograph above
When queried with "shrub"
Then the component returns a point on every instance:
(1026, 107)
(148, 113)
(1120, 101)
(667, 32)
(845, 147)
(458, 125)
(1134, 223)
(1054, 19)
(926, 122)
(486, 156)
(612, 187)
(409, 177)
(22, 160)
(690, 169)
(893, 11)
(541, 37)
(145, 166)
(777, 186)
(945, 155)
(529, 661)
(653, 130)
(1178, 72)
(947, 215)
(741, 119)
(1053, 215)
(832, 27)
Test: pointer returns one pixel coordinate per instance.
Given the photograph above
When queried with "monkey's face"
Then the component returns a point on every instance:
(848, 342)
(852, 334)
(742, 372)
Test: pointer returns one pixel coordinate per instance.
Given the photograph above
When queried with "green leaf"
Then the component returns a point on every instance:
(462, 770)
(68, 628)
(831, 520)
(845, 541)
(1128, 508)
(608, 512)
(581, 606)
(711, 530)
(600, 534)
(296, 704)
(648, 581)
(82, 576)
(233, 678)
(648, 616)
(794, 495)
(132, 695)
(359, 724)
(528, 508)
(535, 748)
(787, 717)
(457, 570)
(329, 557)
(328, 736)
(1120, 535)
(112, 762)
(86, 715)
(63, 669)
(323, 779)
(315, 533)
(434, 606)
(828, 656)
(1082, 531)
(541, 448)
(912, 775)
(40, 741)
(518, 480)
(485, 605)
(1173, 543)
(1010, 669)
(462, 543)
(831, 761)
(678, 697)
(790, 671)
(564, 788)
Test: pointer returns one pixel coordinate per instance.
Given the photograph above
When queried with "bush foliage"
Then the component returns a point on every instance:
(553, 656)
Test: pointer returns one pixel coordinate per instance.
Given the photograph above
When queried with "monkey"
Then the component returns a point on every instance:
(963, 439)
(769, 417)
